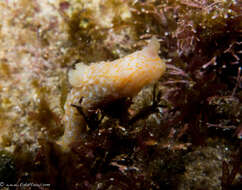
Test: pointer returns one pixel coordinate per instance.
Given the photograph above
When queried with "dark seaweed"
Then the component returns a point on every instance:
(200, 98)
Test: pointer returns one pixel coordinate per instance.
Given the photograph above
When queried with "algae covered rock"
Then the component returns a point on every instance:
(7, 167)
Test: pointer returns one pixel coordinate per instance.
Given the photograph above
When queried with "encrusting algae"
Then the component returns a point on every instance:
(106, 82)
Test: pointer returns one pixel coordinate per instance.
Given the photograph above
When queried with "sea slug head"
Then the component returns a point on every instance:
(75, 75)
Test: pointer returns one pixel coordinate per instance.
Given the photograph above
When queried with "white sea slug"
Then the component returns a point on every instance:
(106, 82)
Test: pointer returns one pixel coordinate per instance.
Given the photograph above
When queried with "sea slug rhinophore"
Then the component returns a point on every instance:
(106, 82)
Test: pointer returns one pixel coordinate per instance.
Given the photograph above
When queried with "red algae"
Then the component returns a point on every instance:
(184, 132)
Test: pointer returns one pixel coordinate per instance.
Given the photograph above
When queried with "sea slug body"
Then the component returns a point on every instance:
(108, 81)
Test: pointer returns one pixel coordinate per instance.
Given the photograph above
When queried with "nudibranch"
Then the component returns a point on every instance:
(106, 82)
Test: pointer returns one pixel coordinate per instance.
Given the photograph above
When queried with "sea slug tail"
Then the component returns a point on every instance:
(153, 47)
